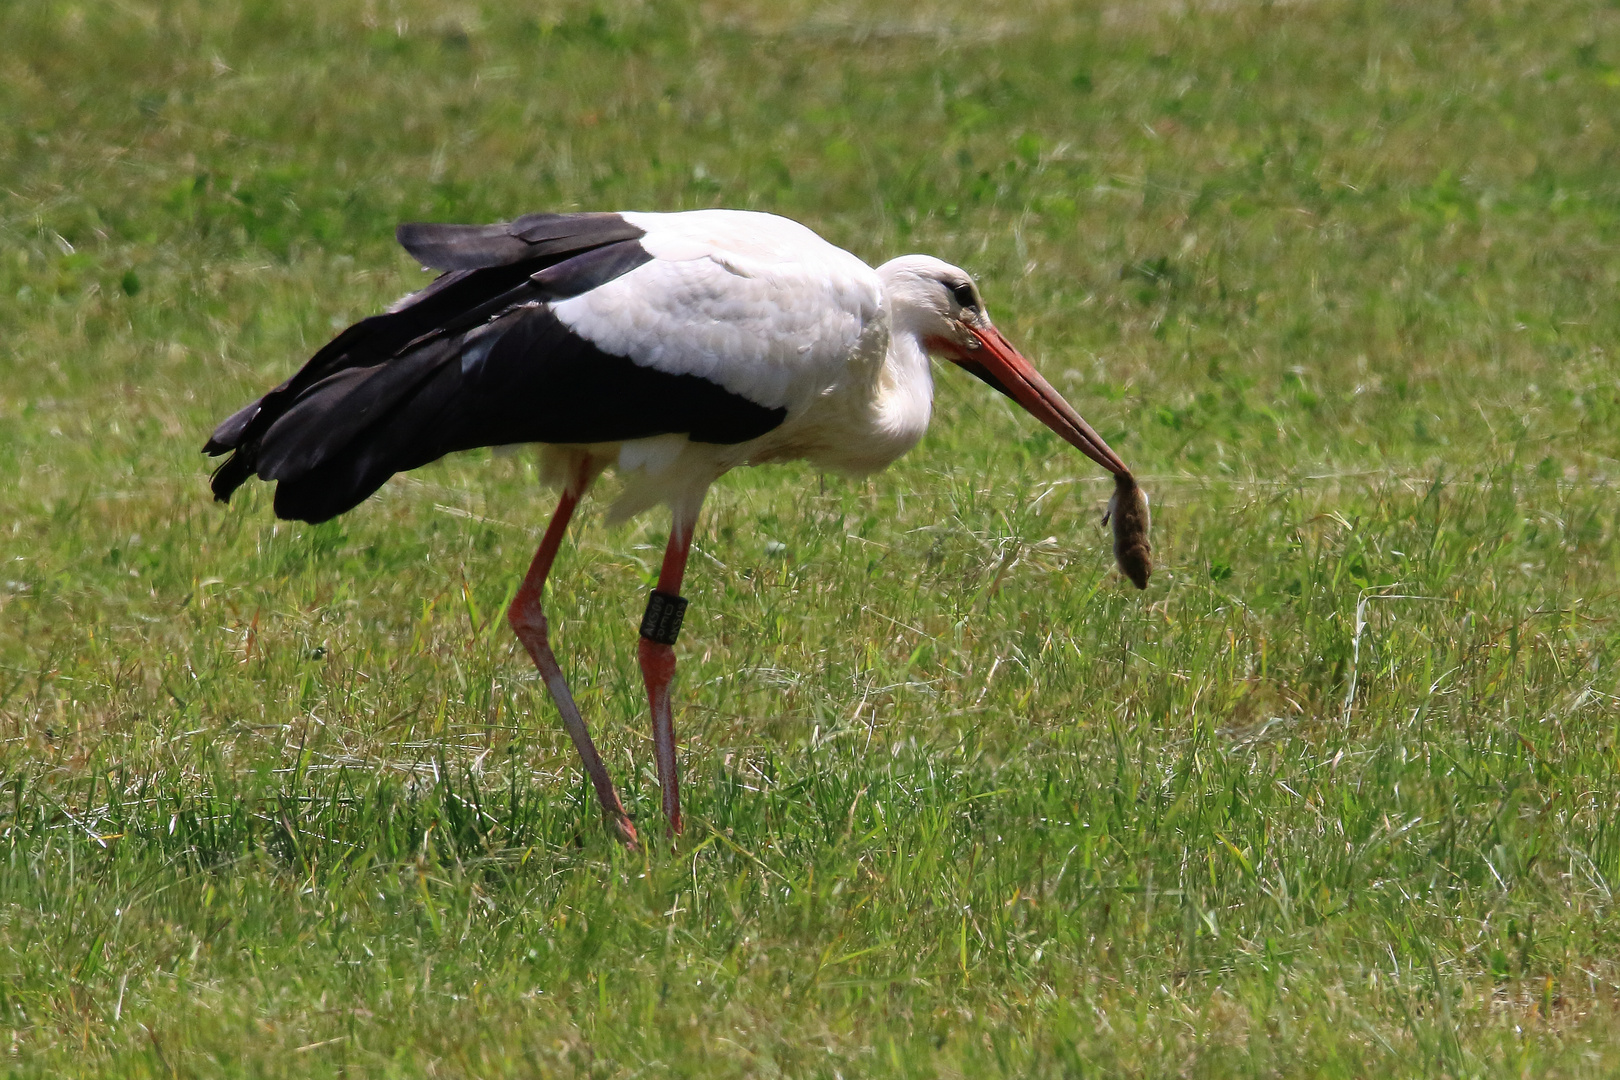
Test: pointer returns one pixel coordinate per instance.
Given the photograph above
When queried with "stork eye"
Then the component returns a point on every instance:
(964, 294)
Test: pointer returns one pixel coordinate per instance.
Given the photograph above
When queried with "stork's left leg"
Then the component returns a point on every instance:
(659, 628)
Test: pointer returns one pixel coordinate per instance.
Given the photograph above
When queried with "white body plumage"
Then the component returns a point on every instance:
(768, 310)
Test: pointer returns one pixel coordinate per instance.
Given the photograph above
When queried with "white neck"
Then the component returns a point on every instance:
(905, 389)
(882, 406)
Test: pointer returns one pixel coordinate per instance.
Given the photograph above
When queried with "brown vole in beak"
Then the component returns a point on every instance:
(1128, 509)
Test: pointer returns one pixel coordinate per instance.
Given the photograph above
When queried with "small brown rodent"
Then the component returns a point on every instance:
(1128, 509)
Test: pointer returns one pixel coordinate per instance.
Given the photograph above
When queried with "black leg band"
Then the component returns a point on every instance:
(662, 622)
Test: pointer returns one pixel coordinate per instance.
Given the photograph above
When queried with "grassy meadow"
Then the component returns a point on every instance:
(1337, 796)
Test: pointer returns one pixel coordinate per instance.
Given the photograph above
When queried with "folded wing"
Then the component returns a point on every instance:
(558, 328)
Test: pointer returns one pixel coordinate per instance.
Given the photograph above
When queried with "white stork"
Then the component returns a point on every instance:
(671, 346)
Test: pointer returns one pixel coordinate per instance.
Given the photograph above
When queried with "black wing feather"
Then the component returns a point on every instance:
(541, 382)
(533, 236)
(338, 408)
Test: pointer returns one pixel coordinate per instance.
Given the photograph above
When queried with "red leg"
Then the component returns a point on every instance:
(657, 656)
(529, 622)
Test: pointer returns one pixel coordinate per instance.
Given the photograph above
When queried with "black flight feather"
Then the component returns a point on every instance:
(338, 408)
(472, 247)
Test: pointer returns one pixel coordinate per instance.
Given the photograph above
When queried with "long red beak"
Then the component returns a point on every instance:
(1004, 368)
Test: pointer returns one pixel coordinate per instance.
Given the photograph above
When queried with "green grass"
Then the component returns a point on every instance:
(1337, 796)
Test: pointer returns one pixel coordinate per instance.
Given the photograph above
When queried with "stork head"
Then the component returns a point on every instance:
(939, 304)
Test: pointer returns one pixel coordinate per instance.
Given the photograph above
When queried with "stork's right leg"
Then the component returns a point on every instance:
(529, 622)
